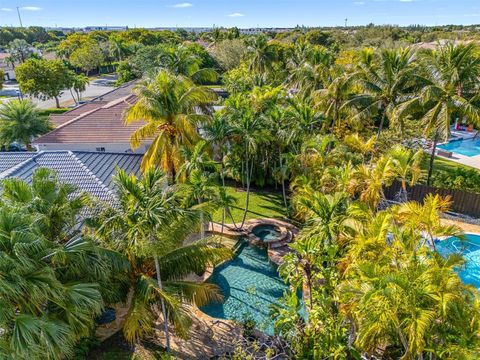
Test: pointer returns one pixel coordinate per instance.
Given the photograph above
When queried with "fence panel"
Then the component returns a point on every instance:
(463, 202)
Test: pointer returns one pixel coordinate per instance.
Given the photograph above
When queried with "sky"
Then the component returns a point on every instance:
(240, 13)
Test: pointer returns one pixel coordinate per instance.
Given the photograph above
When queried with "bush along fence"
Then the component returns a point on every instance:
(463, 202)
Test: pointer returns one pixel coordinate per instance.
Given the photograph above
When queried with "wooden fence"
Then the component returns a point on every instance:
(463, 202)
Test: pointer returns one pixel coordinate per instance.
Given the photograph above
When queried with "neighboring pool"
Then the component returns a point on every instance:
(266, 232)
(470, 249)
(250, 284)
(469, 147)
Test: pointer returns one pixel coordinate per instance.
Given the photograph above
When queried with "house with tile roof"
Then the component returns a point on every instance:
(94, 126)
(91, 172)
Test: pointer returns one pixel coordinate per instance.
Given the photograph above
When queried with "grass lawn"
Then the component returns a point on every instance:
(443, 164)
(263, 204)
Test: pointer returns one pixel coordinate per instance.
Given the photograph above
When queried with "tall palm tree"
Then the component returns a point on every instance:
(150, 227)
(332, 98)
(20, 120)
(384, 85)
(451, 80)
(169, 106)
(262, 54)
(218, 132)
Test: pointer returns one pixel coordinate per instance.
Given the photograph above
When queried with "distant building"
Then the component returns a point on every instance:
(105, 28)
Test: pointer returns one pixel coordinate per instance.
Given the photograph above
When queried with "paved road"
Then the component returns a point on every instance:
(96, 88)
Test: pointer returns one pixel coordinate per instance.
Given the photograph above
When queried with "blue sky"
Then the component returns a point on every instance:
(241, 13)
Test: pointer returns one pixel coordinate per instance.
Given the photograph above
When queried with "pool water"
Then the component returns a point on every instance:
(250, 284)
(469, 147)
(470, 249)
(266, 232)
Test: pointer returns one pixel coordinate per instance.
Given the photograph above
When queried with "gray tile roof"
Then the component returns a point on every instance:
(11, 159)
(88, 171)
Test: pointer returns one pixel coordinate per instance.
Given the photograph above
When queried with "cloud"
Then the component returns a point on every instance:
(31, 8)
(406, 0)
(5, 9)
(359, 2)
(237, 14)
(182, 5)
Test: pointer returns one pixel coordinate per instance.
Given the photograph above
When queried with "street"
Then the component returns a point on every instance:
(97, 87)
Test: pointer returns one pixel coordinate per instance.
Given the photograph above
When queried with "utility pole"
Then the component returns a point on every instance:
(19, 17)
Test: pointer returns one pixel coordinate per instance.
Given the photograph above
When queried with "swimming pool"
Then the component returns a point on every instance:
(250, 284)
(267, 232)
(468, 147)
(470, 249)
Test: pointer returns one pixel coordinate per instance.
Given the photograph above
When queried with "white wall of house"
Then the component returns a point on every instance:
(107, 147)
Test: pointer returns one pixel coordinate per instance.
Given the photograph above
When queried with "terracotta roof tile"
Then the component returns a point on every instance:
(101, 124)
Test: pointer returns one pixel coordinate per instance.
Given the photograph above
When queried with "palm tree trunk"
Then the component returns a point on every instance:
(283, 179)
(164, 310)
(380, 127)
(73, 97)
(247, 201)
(432, 158)
(223, 219)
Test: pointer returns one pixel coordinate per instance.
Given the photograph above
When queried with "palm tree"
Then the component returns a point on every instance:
(332, 98)
(369, 180)
(53, 286)
(183, 61)
(262, 54)
(79, 84)
(426, 217)
(225, 201)
(385, 85)
(403, 298)
(196, 159)
(451, 79)
(169, 106)
(150, 227)
(218, 132)
(406, 167)
(20, 120)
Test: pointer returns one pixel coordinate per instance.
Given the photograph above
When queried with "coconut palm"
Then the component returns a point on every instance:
(384, 85)
(262, 54)
(183, 61)
(332, 98)
(169, 106)
(20, 120)
(218, 132)
(150, 227)
(451, 79)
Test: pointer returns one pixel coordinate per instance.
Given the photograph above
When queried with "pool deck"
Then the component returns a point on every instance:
(472, 161)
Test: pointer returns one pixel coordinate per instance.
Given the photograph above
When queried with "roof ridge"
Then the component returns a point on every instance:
(20, 165)
(90, 173)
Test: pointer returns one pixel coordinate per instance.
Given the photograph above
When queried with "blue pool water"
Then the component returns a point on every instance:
(266, 232)
(250, 284)
(470, 147)
(470, 249)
